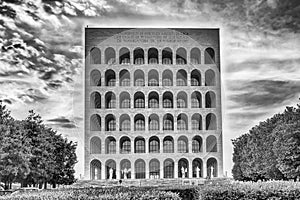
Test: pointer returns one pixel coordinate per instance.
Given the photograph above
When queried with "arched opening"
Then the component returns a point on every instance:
(125, 169)
(110, 169)
(182, 122)
(195, 56)
(167, 78)
(196, 122)
(95, 169)
(210, 79)
(95, 56)
(110, 56)
(153, 122)
(139, 100)
(210, 99)
(153, 100)
(95, 122)
(211, 122)
(196, 100)
(124, 100)
(95, 100)
(124, 56)
(181, 78)
(153, 78)
(153, 144)
(168, 122)
(124, 78)
(168, 144)
(110, 78)
(167, 56)
(212, 167)
(153, 56)
(195, 78)
(140, 169)
(125, 145)
(139, 145)
(183, 168)
(182, 145)
(95, 145)
(125, 124)
(181, 56)
(139, 78)
(181, 100)
(95, 79)
(154, 168)
(211, 144)
(138, 56)
(139, 122)
(110, 100)
(167, 100)
(197, 144)
(209, 56)
(110, 144)
(197, 168)
(110, 122)
(169, 168)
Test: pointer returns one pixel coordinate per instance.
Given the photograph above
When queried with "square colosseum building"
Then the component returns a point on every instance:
(152, 103)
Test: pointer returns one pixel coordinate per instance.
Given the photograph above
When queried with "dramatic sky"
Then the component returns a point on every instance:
(41, 47)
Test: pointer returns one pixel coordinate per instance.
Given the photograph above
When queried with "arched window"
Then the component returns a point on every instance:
(139, 122)
(195, 78)
(211, 144)
(209, 56)
(153, 100)
(181, 56)
(124, 56)
(154, 169)
(110, 123)
(139, 79)
(110, 78)
(210, 79)
(140, 169)
(195, 56)
(196, 144)
(125, 169)
(168, 122)
(139, 100)
(181, 78)
(125, 122)
(110, 56)
(110, 167)
(167, 56)
(210, 100)
(124, 100)
(211, 122)
(167, 78)
(138, 56)
(139, 145)
(196, 100)
(95, 167)
(168, 145)
(125, 145)
(124, 78)
(95, 56)
(169, 168)
(95, 79)
(110, 145)
(154, 145)
(183, 168)
(153, 56)
(167, 100)
(153, 122)
(95, 100)
(196, 122)
(95, 145)
(197, 168)
(181, 100)
(212, 167)
(95, 121)
(182, 144)
(153, 78)
(182, 122)
(110, 100)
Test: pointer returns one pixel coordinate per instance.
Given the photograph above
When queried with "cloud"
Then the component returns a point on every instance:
(62, 122)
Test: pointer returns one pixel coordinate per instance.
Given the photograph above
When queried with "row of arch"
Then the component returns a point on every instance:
(139, 100)
(139, 144)
(151, 56)
(154, 169)
(153, 78)
(154, 123)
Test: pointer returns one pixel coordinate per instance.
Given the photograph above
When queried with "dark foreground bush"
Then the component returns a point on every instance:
(119, 193)
(271, 190)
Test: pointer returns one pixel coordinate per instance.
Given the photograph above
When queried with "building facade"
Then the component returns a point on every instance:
(152, 103)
